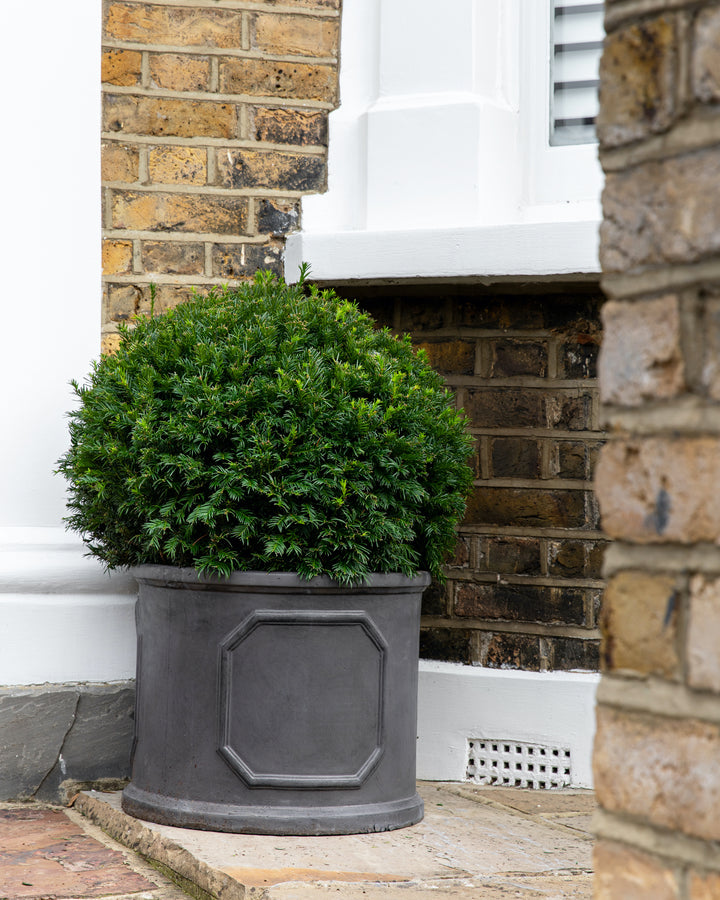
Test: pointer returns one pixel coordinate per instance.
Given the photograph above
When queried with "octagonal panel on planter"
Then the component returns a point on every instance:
(301, 698)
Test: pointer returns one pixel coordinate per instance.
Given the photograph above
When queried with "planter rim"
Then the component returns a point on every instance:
(280, 581)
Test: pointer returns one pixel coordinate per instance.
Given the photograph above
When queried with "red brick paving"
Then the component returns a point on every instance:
(44, 855)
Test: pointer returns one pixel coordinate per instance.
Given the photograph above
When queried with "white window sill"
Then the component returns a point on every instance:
(538, 249)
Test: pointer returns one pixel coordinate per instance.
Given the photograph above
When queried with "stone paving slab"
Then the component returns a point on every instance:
(472, 843)
(54, 854)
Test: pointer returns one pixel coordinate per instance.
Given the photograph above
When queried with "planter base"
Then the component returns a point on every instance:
(292, 820)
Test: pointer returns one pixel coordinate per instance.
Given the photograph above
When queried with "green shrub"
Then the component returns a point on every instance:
(267, 427)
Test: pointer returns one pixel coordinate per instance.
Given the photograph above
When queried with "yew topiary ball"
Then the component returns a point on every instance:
(267, 427)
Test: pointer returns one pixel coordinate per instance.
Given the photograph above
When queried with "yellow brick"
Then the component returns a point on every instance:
(109, 344)
(121, 67)
(271, 169)
(179, 72)
(173, 257)
(117, 257)
(119, 162)
(144, 23)
(168, 117)
(639, 618)
(295, 35)
(623, 873)
(663, 771)
(268, 78)
(178, 165)
(704, 887)
(179, 212)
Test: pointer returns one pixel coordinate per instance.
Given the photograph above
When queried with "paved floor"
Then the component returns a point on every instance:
(488, 843)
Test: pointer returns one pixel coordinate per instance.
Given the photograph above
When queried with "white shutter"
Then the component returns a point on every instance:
(577, 36)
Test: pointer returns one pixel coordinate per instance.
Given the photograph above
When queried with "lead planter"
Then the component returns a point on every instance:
(273, 705)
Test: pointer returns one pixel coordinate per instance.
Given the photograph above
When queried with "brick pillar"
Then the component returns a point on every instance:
(214, 126)
(657, 752)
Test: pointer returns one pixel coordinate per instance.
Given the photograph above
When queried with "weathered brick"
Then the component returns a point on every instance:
(703, 634)
(514, 457)
(573, 654)
(461, 555)
(568, 460)
(173, 257)
(710, 325)
(179, 72)
(706, 55)
(419, 315)
(117, 257)
(579, 355)
(122, 67)
(641, 357)
(566, 558)
(450, 357)
(518, 603)
(147, 23)
(243, 260)
(120, 162)
(667, 773)
(290, 126)
(125, 301)
(656, 489)
(165, 117)
(121, 302)
(595, 558)
(277, 216)
(704, 886)
(511, 357)
(155, 211)
(270, 169)
(503, 313)
(639, 624)
(624, 873)
(294, 35)
(177, 165)
(568, 411)
(504, 407)
(434, 600)
(576, 312)
(512, 556)
(638, 72)
(526, 507)
(508, 651)
(447, 644)
(645, 213)
(270, 78)
(594, 448)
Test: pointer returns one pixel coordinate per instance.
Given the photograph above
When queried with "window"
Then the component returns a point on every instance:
(576, 34)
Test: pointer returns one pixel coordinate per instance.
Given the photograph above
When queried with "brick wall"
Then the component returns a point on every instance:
(214, 126)
(524, 588)
(657, 753)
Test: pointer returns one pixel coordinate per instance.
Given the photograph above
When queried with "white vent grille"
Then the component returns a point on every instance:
(577, 38)
(515, 764)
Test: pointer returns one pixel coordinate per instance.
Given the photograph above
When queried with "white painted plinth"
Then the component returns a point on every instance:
(457, 703)
(64, 619)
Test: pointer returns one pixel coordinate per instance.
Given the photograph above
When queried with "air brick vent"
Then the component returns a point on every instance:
(516, 764)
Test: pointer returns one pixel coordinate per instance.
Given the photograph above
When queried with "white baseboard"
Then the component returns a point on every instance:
(458, 703)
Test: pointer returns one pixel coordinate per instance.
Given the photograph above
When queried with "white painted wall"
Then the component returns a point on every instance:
(61, 618)
(459, 703)
(439, 157)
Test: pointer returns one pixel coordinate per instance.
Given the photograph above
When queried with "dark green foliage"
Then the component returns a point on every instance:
(267, 427)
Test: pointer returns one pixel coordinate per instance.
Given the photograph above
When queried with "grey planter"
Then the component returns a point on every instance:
(271, 705)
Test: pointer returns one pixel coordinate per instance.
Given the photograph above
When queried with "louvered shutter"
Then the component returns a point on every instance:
(577, 36)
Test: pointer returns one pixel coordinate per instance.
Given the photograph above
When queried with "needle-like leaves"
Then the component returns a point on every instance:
(269, 427)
